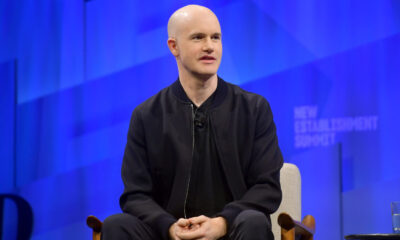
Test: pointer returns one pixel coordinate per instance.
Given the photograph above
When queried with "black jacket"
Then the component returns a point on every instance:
(157, 159)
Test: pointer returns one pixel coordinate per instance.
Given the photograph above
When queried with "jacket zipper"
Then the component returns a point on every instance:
(190, 170)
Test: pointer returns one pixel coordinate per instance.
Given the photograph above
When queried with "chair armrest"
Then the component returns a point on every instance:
(94, 223)
(292, 228)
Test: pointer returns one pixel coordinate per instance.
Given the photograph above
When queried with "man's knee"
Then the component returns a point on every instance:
(119, 221)
(253, 219)
(126, 226)
(251, 225)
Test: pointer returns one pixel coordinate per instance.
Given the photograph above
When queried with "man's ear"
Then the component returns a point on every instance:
(173, 47)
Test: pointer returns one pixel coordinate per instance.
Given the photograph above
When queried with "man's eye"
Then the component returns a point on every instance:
(197, 37)
(216, 37)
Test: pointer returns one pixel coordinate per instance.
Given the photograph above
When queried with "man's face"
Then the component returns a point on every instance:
(199, 46)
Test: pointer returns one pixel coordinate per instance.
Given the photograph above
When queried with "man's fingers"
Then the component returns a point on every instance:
(198, 220)
(191, 234)
(183, 222)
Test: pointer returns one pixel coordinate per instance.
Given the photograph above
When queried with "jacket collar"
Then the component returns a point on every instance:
(220, 92)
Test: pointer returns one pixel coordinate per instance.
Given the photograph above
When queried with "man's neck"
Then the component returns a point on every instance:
(198, 90)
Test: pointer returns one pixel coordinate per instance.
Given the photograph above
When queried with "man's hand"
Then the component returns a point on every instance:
(201, 227)
(180, 226)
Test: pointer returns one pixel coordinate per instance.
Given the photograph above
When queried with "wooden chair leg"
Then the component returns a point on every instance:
(287, 234)
(309, 221)
(96, 235)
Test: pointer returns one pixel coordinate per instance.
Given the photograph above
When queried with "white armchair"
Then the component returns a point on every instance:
(285, 221)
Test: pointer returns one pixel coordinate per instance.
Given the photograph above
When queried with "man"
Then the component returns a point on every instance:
(202, 159)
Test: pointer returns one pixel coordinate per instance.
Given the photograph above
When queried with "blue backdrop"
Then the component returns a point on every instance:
(71, 72)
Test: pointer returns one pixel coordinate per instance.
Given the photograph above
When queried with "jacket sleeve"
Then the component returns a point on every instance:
(262, 175)
(137, 198)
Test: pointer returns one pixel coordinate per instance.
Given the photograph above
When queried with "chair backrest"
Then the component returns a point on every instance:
(291, 196)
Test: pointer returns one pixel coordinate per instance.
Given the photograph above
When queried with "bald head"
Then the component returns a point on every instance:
(183, 17)
(194, 38)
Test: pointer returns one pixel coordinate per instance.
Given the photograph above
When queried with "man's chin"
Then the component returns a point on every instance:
(205, 75)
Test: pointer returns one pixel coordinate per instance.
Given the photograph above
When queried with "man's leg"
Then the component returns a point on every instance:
(124, 226)
(251, 225)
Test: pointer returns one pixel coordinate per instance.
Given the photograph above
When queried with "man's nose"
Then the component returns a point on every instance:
(208, 45)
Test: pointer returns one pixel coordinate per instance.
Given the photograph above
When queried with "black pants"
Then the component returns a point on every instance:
(248, 225)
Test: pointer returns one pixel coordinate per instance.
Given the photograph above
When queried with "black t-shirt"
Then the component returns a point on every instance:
(208, 190)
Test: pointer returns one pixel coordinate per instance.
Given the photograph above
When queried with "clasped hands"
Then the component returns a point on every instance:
(198, 228)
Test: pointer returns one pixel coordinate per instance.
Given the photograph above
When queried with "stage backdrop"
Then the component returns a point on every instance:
(72, 71)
